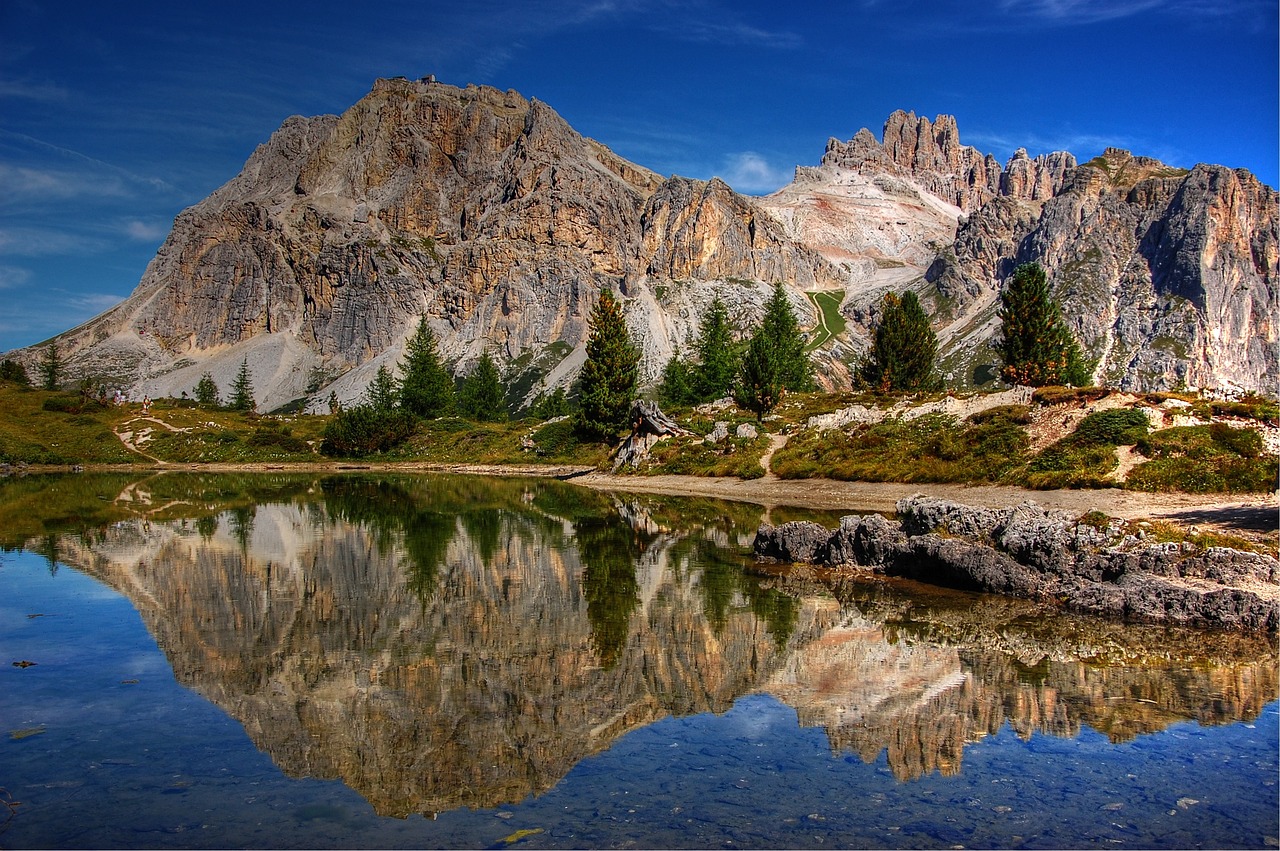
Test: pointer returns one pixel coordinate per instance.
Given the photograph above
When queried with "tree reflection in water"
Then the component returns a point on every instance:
(443, 641)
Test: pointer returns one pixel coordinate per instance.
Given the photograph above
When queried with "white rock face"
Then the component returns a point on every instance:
(490, 217)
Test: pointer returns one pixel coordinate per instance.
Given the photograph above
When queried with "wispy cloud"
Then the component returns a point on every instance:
(13, 276)
(28, 90)
(752, 173)
(107, 172)
(730, 33)
(44, 242)
(145, 231)
(51, 184)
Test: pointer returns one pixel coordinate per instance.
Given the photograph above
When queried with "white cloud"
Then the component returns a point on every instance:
(13, 276)
(751, 173)
(145, 231)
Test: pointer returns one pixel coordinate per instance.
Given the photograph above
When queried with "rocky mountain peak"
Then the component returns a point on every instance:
(930, 153)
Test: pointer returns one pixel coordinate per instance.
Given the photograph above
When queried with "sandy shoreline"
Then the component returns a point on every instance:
(1253, 515)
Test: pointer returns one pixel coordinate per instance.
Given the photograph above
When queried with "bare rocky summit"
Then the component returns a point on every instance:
(488, 214)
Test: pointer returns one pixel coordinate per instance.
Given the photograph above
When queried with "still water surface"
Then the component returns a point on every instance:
(355, 661)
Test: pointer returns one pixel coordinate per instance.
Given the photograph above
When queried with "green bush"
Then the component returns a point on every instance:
(63, 404)
(1116, 427)
(278, 437)
(364, 430)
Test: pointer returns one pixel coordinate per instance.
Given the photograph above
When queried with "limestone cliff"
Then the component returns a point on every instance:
(1167, 277)
(487, 214)
(478, 209)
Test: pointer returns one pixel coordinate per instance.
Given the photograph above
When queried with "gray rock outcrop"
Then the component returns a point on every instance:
(1030, 552)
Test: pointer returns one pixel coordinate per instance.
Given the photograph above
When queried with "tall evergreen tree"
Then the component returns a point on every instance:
(676, 386)
(608, 378)
(780, 328)
(1037, 347)
(51, 368)
(383, 392)
(426, 389)
(207, 391)
(760, 384)
(904, 348)
(717, 365)
(481, 397)
(242, 390)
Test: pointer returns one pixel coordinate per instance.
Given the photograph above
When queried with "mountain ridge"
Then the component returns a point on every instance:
(488, 214)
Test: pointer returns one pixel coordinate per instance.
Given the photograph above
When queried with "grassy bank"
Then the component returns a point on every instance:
(1062, 439)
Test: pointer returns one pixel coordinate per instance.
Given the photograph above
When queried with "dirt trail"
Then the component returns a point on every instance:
(776, 442)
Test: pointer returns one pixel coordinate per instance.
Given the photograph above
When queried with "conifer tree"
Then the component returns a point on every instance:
(717, 356)
(51, 368)
(207, 391)
(426, 389)
(481, 397)
(904, 348)
(780, 328)
(760, 385)
(383, 392)
(242, 390)
(1037, 347)
(13, 371)
(608, 378)
(676, 387)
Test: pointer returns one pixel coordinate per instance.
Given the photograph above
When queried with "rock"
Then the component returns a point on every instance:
(746, 431)
(1027, 551)
(798, 541)
(719, 432)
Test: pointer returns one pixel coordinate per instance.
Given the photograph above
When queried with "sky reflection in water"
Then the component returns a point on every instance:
(439, 662)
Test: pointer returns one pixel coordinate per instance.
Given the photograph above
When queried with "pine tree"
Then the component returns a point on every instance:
(904, 348)
(676, 387)
(780, 328)
(242, 390)
(1037, 347)
(760, 385)
(206, 391)
(481, 397)
(426, 389)
(608, 378)
(51, 368)
(13, 371)
(713, 377)
(383, 393)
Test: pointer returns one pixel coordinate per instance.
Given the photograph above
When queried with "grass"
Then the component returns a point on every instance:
(1085, 458)
(29, 433)
(693, 456)
(932, 448)
(1213, 458)
(832, 322)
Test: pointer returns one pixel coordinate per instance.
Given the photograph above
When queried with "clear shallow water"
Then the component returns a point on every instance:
(353, 665)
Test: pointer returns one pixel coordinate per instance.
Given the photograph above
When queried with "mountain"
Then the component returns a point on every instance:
(489, 215)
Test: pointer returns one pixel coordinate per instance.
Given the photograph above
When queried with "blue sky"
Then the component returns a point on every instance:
(116, 116)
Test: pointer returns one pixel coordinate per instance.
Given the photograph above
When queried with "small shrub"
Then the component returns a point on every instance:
(1055, 395)
(364, 430)
(1116, 427)
(63, 404)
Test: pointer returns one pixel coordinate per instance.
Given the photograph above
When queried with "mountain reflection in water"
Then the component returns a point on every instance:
(439, 642)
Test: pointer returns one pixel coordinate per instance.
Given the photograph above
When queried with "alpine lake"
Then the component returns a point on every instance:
(355, 660)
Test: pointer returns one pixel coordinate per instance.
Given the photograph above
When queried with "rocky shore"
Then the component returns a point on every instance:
(1085, 563)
